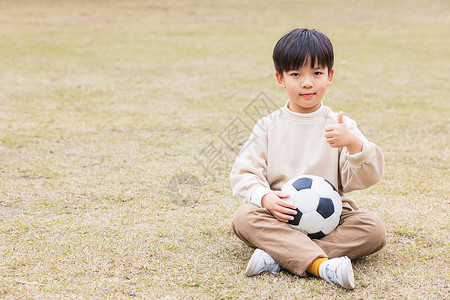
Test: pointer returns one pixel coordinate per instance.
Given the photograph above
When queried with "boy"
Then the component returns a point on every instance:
(305, 137)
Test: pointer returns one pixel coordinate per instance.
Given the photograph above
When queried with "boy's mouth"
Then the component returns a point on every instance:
(309, 95)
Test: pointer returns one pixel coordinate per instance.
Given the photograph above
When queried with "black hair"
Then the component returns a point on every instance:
(297, 46)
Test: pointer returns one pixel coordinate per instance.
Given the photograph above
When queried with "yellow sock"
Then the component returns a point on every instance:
(313, 268)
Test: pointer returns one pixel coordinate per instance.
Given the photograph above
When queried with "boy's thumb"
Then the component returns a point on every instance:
(340, 117)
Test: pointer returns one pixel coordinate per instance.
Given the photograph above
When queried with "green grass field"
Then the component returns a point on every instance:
(104, 104)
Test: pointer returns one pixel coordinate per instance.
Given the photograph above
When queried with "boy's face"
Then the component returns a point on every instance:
(305, 86)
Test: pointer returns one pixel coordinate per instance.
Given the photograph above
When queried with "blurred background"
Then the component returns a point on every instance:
(112, 111)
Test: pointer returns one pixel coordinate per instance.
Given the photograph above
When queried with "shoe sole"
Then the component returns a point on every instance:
(347, 275)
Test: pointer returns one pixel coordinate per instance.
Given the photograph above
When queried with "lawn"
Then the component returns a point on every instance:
(120, 120)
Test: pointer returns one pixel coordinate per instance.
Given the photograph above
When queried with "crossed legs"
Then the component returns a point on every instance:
(358, 234)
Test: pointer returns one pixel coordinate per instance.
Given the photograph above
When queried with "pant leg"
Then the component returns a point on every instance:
(292, 249)
(358, 234)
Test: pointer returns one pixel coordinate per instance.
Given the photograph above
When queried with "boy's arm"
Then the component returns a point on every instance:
(362, 171)
(249, 177)
(249, 171)
(361, 162)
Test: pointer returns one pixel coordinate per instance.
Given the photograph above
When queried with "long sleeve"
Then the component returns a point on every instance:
(365, 170)
(249, 171)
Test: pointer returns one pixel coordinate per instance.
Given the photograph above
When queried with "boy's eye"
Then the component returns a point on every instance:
(318, 73)
(295, 74)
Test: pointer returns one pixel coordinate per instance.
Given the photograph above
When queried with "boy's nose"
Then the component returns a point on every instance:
(306, 83)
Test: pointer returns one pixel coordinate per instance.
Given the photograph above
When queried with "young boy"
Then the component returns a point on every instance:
(305, 137)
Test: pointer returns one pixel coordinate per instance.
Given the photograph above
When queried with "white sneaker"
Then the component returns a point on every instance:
(339, 271)
(261, 262)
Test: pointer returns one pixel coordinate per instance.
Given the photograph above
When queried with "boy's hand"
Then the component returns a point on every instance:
(339, 136)
(280, 209)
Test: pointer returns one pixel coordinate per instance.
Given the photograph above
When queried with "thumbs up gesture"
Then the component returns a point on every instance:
(340, 117)
(338, 136)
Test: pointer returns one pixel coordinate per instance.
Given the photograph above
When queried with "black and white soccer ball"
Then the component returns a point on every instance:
(319, 205)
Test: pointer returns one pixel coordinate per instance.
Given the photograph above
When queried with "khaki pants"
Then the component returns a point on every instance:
(358, 234)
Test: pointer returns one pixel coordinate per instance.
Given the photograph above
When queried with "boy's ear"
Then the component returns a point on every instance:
(280, 80)
(330, 77)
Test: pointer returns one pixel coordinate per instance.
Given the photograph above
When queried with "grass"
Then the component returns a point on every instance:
(102, 103)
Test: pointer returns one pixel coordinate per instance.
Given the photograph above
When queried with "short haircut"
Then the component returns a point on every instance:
(297, 46)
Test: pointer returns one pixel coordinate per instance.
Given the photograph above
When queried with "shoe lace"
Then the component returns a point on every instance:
(271, 264)
(330, 271)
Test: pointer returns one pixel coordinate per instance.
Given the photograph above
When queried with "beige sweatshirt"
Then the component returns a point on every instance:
(286, 144)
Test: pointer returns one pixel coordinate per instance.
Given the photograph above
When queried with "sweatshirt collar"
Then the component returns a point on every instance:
(316, 113)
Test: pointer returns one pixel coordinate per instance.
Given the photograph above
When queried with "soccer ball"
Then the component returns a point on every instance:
(319, 206)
